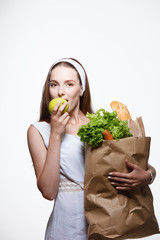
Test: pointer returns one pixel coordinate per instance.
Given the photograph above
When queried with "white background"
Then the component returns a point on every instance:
(117, 41)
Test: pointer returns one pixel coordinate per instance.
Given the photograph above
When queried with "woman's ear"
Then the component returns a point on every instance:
(81, 92)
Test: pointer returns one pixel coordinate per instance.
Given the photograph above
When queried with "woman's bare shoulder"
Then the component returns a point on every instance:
(36, 148)
(32, 131)
(34, 138)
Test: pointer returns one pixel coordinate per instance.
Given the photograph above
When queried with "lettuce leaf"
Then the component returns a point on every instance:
(101, 120)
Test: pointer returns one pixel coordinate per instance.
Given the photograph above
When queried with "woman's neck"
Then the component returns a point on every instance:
(77, 119)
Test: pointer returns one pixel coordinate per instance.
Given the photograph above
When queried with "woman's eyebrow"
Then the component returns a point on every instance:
(52, 80)
(68, 80)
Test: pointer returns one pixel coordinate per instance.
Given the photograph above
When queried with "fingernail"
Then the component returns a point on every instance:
(109, 177)
(110, 173)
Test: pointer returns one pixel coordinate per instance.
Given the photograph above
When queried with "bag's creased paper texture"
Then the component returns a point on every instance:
(136, 127)
(113, 214)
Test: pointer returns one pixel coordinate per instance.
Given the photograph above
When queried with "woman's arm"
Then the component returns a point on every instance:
(137, 177)
(47, 162)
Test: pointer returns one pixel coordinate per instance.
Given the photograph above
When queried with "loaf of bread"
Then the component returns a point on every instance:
(121, 109)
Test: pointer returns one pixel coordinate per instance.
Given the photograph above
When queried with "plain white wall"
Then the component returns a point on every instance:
(117, 42)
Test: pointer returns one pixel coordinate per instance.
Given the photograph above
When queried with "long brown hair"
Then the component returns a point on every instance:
(85, 99)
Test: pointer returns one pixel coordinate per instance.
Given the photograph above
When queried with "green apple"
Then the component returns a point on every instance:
(53, 103)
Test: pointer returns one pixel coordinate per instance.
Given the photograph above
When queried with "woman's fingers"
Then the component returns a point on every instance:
(55, 109)
(64, 118)
(62, 107)
(130, 165)
(124, 188)
(58, 109)
(122, 179)
(137, 177)
(118, 174)
(122, 183)
(59, 119)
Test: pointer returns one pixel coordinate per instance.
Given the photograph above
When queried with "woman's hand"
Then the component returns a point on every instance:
(137, 177)
(59, 120)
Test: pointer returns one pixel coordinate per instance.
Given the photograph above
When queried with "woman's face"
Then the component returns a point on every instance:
(64, 83)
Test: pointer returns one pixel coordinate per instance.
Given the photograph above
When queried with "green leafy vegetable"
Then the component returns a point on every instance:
(101, 120)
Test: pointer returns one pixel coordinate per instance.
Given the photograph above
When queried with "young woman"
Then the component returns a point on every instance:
(58, 154)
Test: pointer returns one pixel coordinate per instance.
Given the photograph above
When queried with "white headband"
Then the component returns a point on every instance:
(78, 67)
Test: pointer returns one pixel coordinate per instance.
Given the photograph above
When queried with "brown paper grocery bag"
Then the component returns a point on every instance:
(113, 214)
(136, 127)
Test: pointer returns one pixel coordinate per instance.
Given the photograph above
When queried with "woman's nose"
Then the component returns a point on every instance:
(61, 91)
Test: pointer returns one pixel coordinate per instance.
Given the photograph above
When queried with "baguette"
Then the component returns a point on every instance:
(121, 109)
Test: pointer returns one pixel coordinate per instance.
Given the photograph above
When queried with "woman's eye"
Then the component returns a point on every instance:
(69, 84)
(53, 84)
